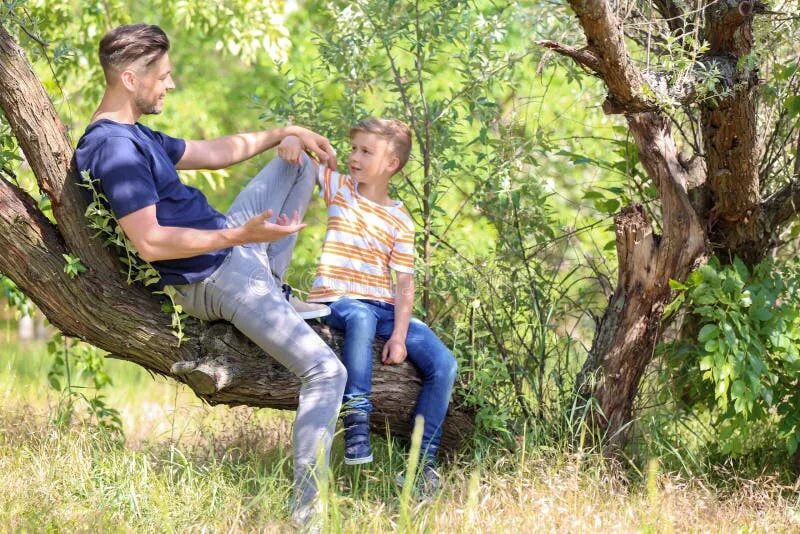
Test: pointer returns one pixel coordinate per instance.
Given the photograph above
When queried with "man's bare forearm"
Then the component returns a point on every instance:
(226, 151)
(172, 242)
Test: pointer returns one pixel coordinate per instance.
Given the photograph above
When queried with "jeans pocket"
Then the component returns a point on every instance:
(212, 278)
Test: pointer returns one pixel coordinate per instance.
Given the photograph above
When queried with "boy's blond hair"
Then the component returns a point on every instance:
(396, 132)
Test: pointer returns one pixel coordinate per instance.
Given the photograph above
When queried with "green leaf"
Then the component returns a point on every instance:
(678, 286)
(792, 105)
(708, 332)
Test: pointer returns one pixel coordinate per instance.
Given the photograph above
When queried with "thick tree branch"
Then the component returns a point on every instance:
(26, 105)
(729, 25)
(604, 37)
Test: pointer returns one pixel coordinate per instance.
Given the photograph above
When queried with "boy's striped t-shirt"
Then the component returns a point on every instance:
(363, 242)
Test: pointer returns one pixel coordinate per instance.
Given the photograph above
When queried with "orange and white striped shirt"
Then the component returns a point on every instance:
(364, 240)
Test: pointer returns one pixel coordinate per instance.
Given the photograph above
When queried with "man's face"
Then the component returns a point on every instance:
(152, 85)
(371, 158)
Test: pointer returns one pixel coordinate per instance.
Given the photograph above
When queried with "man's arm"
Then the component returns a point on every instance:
(226, 151)
(154, 242)
(394, 351)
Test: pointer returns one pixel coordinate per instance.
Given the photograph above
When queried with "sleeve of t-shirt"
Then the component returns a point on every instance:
(125, 176)
(329, 183)
(401, 259)
(173, 146)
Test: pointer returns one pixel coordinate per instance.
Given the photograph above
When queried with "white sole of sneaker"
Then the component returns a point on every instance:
(314, 314)
(358, 461)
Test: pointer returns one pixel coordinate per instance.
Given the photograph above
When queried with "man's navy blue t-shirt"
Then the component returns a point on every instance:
(135, 167)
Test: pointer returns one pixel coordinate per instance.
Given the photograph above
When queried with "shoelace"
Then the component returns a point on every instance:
(287, 291)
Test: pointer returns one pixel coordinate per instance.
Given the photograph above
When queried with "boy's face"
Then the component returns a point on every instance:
(371, 158)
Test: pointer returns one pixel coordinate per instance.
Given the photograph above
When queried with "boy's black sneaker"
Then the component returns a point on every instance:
(357, 449)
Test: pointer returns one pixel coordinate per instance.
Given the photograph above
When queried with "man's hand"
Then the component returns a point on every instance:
(290, 149)
(260, 230)
(394, 351)
(317, 144)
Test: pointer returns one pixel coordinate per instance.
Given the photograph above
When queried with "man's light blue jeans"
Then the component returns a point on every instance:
(361, 321)
(246, 291)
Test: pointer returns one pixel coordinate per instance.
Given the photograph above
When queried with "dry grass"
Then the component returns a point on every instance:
(235, 479)
(189, 467)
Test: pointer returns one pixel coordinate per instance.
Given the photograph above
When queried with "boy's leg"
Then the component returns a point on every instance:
(237, 293)
(283, 188)
(358, 321)
(437, 367)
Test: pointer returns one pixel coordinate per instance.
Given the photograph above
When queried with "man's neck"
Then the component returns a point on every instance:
(116, 107)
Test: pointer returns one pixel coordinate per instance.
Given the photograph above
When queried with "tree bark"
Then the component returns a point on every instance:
(628, 331)
(729, 136)
(217, 362)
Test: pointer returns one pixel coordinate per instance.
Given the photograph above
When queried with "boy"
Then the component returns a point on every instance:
(369, 235)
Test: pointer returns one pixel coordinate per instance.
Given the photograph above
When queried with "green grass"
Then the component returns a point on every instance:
(189, 467)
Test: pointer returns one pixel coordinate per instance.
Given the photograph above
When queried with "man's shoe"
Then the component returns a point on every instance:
(306, 310)
(307, 518)
(357, 449)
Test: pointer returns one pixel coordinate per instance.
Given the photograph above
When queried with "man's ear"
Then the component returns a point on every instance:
(128, 79)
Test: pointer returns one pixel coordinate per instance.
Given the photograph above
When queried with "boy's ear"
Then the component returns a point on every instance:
(394, 164)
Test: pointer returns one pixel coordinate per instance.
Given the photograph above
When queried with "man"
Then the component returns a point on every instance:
(221, 266)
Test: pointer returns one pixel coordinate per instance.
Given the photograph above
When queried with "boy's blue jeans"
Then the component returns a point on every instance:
(361, 321)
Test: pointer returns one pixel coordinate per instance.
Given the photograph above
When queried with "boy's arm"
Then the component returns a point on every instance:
(394, 351)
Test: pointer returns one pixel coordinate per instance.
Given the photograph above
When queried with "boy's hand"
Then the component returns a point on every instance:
(394, 351)
(291, 149)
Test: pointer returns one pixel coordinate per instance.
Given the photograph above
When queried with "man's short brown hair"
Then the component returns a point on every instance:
(127, 44)
(396, 132)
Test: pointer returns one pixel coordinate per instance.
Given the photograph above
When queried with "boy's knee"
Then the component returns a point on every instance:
(447, 369)
(360, 315)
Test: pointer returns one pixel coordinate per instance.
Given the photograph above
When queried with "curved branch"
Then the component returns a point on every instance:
(604, 37)
(26, 105)
(584, 57)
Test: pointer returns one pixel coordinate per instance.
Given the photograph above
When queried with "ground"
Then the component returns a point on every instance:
(190, 467)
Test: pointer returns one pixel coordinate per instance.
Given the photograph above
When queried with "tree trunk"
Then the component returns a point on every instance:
(739, 222)
(216, 361)
(630, 327)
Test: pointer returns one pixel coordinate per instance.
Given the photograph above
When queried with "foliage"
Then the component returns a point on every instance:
(445, 68)
(72, 361)
(742, 364)
(102, 221)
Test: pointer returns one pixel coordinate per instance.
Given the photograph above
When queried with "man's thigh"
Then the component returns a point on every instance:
(248, 296)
